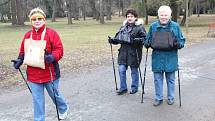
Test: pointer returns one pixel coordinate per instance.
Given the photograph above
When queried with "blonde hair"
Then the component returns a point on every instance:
(165, 8)
(37, 11)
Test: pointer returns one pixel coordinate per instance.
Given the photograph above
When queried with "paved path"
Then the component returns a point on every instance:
(91, 94)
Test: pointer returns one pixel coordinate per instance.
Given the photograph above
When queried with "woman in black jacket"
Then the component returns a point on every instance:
(131, 37)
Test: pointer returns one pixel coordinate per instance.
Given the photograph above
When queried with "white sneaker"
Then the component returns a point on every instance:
(64, 115)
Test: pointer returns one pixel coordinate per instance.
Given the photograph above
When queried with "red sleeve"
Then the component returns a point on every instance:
(21, 50)
(57, 46)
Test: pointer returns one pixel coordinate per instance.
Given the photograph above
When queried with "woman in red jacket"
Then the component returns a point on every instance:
(47, 76)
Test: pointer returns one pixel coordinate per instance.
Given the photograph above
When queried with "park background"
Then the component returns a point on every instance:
(84, 27)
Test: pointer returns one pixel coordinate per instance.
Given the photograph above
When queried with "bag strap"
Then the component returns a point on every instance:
(167, 27)
(43, 34)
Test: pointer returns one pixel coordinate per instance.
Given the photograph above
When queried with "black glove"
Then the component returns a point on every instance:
(49, 58)
(17, 63)
(113, 41)
(110, 40)
(137, 41)
(147, 45)
(177, 45)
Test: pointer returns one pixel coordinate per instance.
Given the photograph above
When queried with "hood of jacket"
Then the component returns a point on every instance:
(137, 22)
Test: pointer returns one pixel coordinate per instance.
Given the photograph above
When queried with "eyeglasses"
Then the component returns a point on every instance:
(39, 19)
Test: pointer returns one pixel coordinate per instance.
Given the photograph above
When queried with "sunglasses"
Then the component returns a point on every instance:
(39, 19)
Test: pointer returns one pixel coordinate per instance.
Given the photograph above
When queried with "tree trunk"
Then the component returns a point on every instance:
(4, 3)
(25, 11)
(54, 11)
(84, 10)
(190, 3)
(69, 11)
(183, 21)
(2, 18)
(108, 3)
(13, 12)
(197, 5)
(174, 8)
(184, 16)
(20, 16)
(60, 11)
(75, 9)
(122, 7)
(102, 21)
(97, 6)
(35, 3)
(97, 15)
(93, 7)
(119, 1)
(146, 11)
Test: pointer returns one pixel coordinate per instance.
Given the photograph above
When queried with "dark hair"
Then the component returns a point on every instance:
(131, 11)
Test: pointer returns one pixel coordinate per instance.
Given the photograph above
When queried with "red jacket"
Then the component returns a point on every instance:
(53, 46)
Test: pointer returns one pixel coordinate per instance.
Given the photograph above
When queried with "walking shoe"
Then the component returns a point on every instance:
(133, 91)
(170, 102)
(64, 115)
(121, 92)
(157, 102)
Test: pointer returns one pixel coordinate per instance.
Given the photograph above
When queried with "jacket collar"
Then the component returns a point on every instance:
(164, 26)
(40, 30)
(136, 23)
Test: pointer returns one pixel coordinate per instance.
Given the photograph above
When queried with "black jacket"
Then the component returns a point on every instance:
(131, 51)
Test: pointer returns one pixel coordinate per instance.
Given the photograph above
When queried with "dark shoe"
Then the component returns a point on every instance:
(170, 102)
(121, 92)
(133, 91)
(157, 102)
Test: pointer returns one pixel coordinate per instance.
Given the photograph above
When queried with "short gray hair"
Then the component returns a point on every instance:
(165, 8)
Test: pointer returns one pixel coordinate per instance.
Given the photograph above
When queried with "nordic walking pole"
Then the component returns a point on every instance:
(25, 80)
(138, 61)
(179, 88)
(55, 100)
(114, 71)
(144, 78)
(14, 61)
(54, 92)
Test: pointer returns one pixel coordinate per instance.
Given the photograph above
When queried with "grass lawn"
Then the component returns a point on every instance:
(85, 43)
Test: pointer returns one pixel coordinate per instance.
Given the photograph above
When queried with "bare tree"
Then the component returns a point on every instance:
(35, 3)
(13, 12)
(60, 8)
(20, 16)
(75, 9)
(97, 12)
(187, 3)
(197, 9)
(4, 3)
(17, 12)
(119, 6)
(93, 7)
(102, 21)
(69, 11)
(83, 9)
(122, 6)
(174, 7)
(108, 3)
(144, 2)
(54, 11)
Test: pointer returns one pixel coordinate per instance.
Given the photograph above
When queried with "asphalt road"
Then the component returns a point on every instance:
(91, 95)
